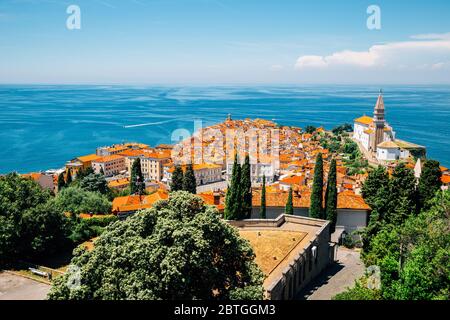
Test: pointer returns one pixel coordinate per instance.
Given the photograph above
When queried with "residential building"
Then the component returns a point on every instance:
(204, 173)
(110, 165)
(152, 164)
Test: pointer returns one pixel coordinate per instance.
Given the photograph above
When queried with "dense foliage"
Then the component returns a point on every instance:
(410, 245)
(310, 129)
(94, 183)
(316, 206)
(179, 249)
(77, 200)
(29, 226)
(346, 127)
(429, 182)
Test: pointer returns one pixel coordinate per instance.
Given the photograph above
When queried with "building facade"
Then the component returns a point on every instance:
(110, 165)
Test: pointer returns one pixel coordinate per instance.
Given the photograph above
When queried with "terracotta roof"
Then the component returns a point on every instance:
(108, 158)
(135, 202)
(119, 183)
(131, 153)
(346, 199)
(364, 120)
(293, 180)
(164, 154)
(88, 158)
(33, 175)
(208, 198)
(445, 179)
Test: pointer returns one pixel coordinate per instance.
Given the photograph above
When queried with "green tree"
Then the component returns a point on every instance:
(189, 181)
(310, 129)
(316, 206)
(28, 225)
(179, 249)
(413, 256)
(289, 205)
(69, 177)
(84, 172)
(429, 182)
(76, 200)
(402, 195)
(346, 127)
(331, 197)
(61, 181)
(102, 172)
(262, 211)
(137, 183)
(177, 179)
(246, 189)
(376, 193)
(233, 200)
(95, 183)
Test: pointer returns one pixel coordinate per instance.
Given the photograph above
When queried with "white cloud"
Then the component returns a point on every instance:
(432, 50)
(310, 62)
(431, 36)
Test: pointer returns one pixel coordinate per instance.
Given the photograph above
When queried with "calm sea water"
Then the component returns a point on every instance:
(42, 127)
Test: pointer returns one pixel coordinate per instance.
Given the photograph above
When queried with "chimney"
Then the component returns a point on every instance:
(216, 198)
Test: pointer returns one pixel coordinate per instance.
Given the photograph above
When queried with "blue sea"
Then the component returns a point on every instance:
(42, 127)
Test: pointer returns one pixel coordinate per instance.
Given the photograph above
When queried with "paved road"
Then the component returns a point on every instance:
(14, 287)
(336, 278)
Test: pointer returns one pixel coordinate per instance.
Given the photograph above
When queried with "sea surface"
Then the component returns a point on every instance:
(42, 127)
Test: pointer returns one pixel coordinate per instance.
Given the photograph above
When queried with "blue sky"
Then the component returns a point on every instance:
(225, 42)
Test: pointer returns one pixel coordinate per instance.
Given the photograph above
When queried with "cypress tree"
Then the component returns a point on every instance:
(289, 205)
(246, 189)
(137, 184)
(233, 198)
(177, 179)
(69, 177)
(331, 197)
(429, 182)
(61, 181)
(316, 207)
(262, 212)
(102, 172)
(189, 181)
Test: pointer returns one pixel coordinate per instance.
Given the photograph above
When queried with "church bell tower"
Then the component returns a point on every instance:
(379, 122)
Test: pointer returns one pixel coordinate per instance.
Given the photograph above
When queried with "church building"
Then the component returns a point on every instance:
(377, 136)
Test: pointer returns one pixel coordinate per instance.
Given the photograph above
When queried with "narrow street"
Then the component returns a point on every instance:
(336, 278)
